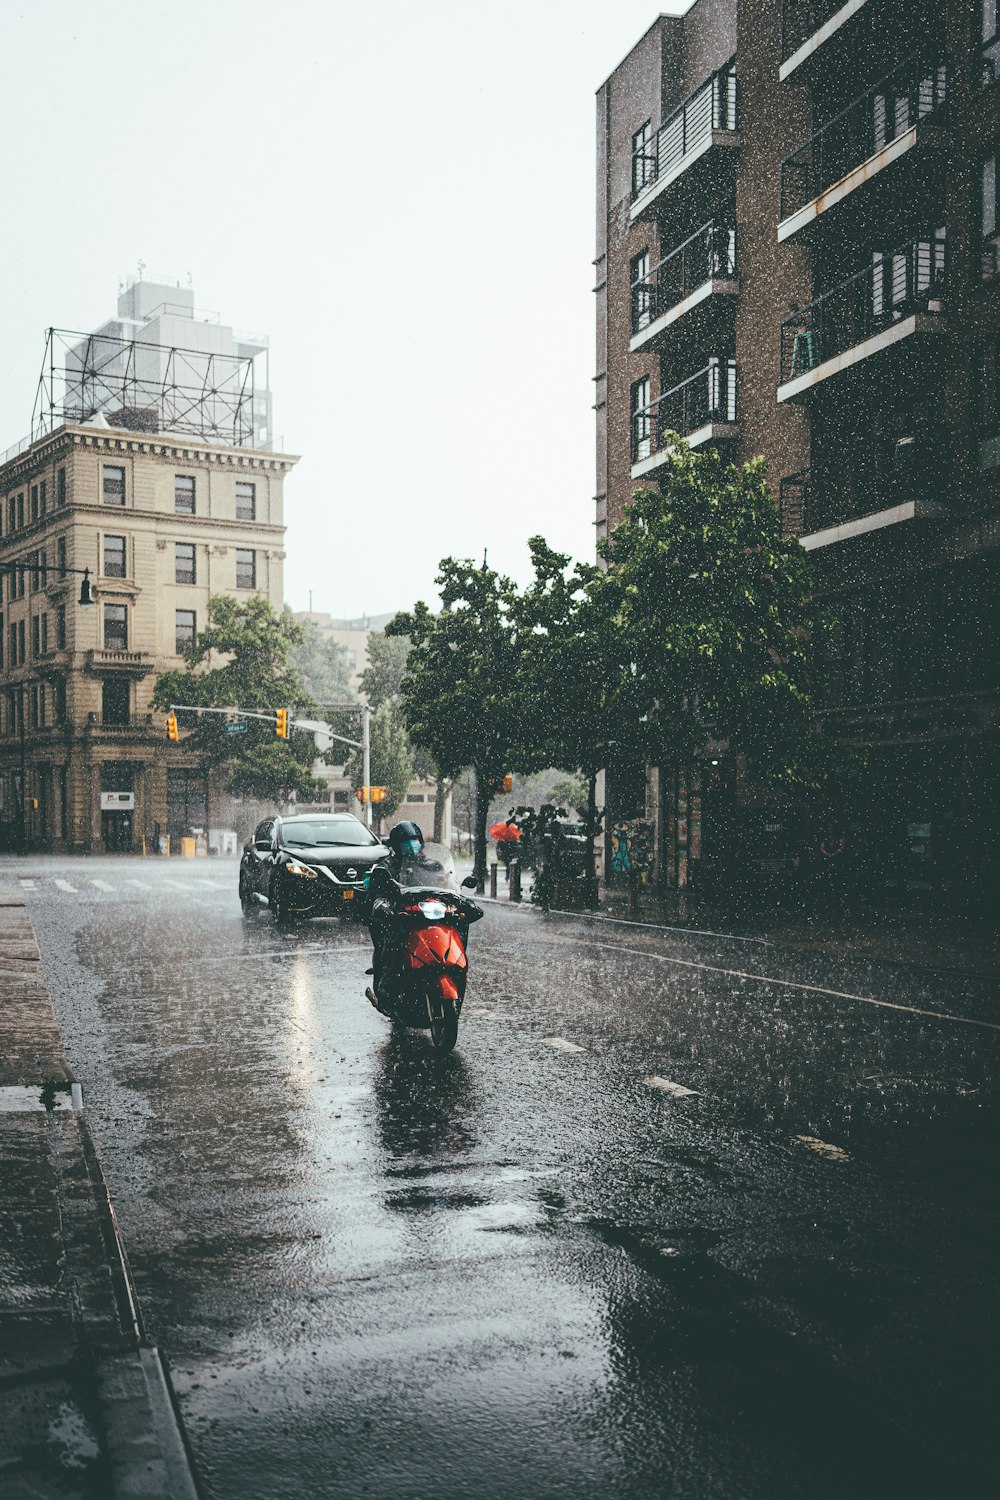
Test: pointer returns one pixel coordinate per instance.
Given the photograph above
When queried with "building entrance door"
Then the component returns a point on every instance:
(117, 807)
(116, 832)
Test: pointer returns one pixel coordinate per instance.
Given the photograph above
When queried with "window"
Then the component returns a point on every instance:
(60, 486)
(643, 161)
(640, 291)
(184, 494)
(18, 580)
(20, 510)
(20, 643)
(36, 638)
(115, 700)
(642, 436)
(13, 644)
(43, 491)
(246, 501)
(35, 561)
(115, 627)
(991, 42)
(1, 643)
(114, 556)
(61, 627)
(988, 217)
(183, 629)
(45, 634)
(246, 568)
(34, 502)
(184, 562)
(988, 403)
(61, 556)
(59, 699)
(113, 491)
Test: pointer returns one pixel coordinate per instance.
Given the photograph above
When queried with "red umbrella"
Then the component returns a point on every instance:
(505, 833)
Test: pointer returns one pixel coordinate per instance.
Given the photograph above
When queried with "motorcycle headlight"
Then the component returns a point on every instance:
(433, 910)
(294, 868)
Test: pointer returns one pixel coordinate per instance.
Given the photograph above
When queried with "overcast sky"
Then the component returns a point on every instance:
(401, 195)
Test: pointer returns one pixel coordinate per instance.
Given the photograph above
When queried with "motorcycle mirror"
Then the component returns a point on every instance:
(469, 883)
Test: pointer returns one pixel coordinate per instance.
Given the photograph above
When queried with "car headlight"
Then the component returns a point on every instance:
(294, 868)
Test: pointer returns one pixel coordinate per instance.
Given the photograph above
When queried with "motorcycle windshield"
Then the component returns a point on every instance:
(433, 869)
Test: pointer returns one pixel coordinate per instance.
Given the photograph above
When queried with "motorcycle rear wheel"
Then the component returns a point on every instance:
(442, 1017)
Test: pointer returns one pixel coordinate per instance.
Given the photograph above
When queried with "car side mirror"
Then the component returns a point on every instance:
(469, 883)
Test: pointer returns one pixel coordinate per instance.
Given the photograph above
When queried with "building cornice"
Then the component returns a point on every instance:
(153, 445)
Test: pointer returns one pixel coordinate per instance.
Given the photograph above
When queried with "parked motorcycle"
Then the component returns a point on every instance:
(420, 925)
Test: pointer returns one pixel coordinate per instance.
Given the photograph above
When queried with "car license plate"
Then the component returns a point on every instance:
(349, 894)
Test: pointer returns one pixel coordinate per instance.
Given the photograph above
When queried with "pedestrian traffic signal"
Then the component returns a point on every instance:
(172, 727)
(281, 723)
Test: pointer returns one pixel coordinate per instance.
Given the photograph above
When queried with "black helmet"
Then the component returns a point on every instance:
(404, 833)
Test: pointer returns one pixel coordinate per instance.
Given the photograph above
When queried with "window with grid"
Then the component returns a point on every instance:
(184, 569)
(640, 291)
(115, 627)
(246, 501)
(246, 568)
(60, 486)
(642, 158)
(183, 630)
(113, 485)
(642, 430)
(184, 494)
(114, 556)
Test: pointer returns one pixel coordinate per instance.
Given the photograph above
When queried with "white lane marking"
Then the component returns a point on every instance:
(677, 1090)
(64, 885)
(561, 1045)
(788, 984)
(178, 885)
(102, 885)
(822, 1148)
(209, 885)
(142, 884)
(730, 937)
(27, 885)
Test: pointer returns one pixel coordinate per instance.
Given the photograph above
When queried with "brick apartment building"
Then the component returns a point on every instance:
(798, 255)
(165, 506)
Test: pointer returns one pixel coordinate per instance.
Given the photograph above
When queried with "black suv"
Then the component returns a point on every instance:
(309, 865)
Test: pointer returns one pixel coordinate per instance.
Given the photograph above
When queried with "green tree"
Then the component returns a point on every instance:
(321, 664)
(242, 660)
(709, 616)
(462, 691)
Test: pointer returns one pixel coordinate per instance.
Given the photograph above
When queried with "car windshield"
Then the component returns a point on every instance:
(321, 832)
(433, 869)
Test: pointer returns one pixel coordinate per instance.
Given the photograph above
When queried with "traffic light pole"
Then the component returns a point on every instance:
(366, 759)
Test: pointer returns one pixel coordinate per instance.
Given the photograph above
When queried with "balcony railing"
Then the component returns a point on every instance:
(885, 473)
(712, 106)
(801, 19)
(896, 285)
(701, 400)
(991, 58)
(709, 253)
(915, 89)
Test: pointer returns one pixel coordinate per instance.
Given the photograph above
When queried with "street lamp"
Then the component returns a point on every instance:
(85, 601)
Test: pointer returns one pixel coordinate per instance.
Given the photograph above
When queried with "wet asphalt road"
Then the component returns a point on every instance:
(525, 1270)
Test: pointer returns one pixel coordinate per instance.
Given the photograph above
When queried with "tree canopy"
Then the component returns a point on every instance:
(322, 666)
(242, 660)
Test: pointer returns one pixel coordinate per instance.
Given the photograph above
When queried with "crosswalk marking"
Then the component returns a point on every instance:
(102, 885)
(142, 884)
(64, 885)
(27, 885)
(677, 1090)
(561, 1044)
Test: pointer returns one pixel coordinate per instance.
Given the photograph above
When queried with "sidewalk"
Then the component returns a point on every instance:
(86, 1411)
(938, 941)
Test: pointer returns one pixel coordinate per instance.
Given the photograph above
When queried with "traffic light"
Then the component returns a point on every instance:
(362, 794)
(378, 793)
(508, 783)
(172, 726)
(281, 723)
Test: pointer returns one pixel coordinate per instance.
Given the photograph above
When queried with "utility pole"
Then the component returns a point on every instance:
(366, 759)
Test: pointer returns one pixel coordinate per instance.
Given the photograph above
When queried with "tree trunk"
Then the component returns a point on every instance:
(591, 891)
(439, 797)
(482, 814)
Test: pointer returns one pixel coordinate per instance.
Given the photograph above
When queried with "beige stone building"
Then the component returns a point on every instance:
(162, 522)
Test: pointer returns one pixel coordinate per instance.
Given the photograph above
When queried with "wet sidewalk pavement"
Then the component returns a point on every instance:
(928, 940)
(86, 1411)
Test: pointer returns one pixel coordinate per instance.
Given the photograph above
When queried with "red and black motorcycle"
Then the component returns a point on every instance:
(420, 927)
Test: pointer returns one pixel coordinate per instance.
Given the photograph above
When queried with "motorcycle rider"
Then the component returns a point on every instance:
(405, 841)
